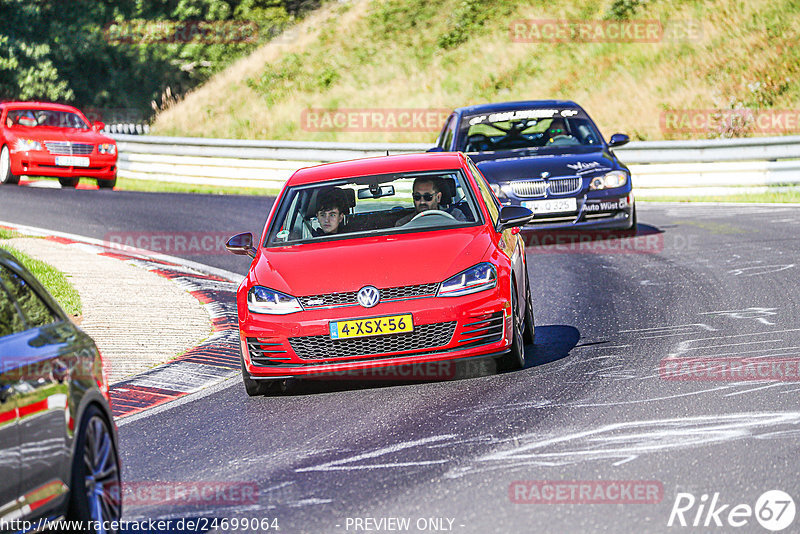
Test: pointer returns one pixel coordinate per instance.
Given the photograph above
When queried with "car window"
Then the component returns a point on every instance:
(11, 320)
(45, 117)
(371, 205)
(489, 198)
(35, 311)
(446, 137)
(528, 129)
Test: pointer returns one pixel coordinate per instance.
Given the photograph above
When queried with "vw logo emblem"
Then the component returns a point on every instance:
(545, 175)
(368, 296)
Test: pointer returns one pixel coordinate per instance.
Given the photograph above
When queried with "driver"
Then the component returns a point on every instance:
(331, 211)
(427, 196)
(557, 128)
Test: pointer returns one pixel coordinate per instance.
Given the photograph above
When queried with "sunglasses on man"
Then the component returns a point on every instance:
(427, 196)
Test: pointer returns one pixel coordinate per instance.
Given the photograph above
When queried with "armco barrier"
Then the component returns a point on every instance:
(659, 168)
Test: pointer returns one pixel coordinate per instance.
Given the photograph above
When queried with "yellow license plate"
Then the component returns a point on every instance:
(374, 326)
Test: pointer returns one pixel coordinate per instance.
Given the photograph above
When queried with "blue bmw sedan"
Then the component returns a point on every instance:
(548, 156)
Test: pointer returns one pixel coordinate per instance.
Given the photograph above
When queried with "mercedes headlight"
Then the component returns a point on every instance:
(264, 300)
(23, 145)
(608, 181)
(107, 148)
(478, 278)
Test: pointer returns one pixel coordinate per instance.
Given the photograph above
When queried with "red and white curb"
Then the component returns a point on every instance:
(214, 360)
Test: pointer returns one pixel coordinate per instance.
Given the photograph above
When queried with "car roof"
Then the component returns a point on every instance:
(508, 106)
(37, 105)
(426, 161)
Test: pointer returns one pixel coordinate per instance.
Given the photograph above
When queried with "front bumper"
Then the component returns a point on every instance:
(611, 211)
(40, 163)
(445, 329)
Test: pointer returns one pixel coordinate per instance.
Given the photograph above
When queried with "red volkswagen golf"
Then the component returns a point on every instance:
(383, 262)
(40, 139)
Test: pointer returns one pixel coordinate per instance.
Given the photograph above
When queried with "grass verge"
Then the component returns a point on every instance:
(52, 279)
(778, 197)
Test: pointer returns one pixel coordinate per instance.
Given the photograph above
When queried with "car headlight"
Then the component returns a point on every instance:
(23, 145)
(607, 181)
(107, 148)
(478, 278)
(264, 300)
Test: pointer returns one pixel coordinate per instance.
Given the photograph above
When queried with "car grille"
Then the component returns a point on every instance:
(65, 148)
(538, 188)
(266, 353)
(426, 336)
(349, 298)
(482, 331)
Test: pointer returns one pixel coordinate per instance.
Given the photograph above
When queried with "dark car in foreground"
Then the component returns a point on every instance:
(44, 139)
(549, 156)
(407, 278)
(58, 442)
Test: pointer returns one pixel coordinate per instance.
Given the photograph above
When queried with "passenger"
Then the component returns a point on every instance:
(427, 196)
(331, 210)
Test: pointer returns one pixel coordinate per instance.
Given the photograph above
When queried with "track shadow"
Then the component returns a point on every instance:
(553, 342)
(573, 240)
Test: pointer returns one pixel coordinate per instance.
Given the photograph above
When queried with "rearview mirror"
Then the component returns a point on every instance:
(376, 192)
(98, 126)
(241, 245)
(511, 216)
(618, 139)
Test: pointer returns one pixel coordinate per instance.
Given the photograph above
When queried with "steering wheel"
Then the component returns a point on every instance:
(431, 212)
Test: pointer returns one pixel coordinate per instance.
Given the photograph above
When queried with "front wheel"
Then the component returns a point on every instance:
(95, 495)
(68, 182)
(6, 177)
(515, 358)
(530, 327)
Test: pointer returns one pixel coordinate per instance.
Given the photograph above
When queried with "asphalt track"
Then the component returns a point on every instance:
(593, 403)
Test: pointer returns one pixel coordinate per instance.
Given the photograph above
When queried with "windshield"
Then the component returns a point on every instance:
(45, 117)
(373, 205)
(527, 128)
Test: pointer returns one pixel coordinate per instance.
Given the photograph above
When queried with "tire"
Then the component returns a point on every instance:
(5, 168)
(68, 182)
(529, 335)
(255, 388)
(107, 184)
(515, 358)
(96, 495)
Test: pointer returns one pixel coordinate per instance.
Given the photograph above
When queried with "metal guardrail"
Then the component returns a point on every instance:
(658, 167)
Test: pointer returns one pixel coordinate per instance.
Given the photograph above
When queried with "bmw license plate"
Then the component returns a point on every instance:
(374, 326)
(556, 205)
(72, 161)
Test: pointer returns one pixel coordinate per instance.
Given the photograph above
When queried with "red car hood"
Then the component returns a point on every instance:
(75, 135)
(385, 261)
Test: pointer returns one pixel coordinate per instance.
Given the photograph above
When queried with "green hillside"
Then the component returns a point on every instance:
(378, 54)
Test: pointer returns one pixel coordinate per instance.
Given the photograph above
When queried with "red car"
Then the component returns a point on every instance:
(41, 139)
(383, 262)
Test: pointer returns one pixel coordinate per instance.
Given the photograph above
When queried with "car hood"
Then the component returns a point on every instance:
(381, 261)
(75, 135)
(505, 166)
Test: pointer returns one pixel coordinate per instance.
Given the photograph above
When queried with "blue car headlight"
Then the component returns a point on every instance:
(478, 278)
(261, 299)
(107, 148)
(609, 180)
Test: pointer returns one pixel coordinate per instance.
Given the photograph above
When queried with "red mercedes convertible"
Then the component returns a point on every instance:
(381, 262)
(40, 139)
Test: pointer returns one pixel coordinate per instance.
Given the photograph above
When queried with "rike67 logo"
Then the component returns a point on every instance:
(774, 510)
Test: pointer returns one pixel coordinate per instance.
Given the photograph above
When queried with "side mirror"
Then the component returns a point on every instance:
(435, 149)
(511, 216)
(98, 126)
(618, 139)
(241, 244)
